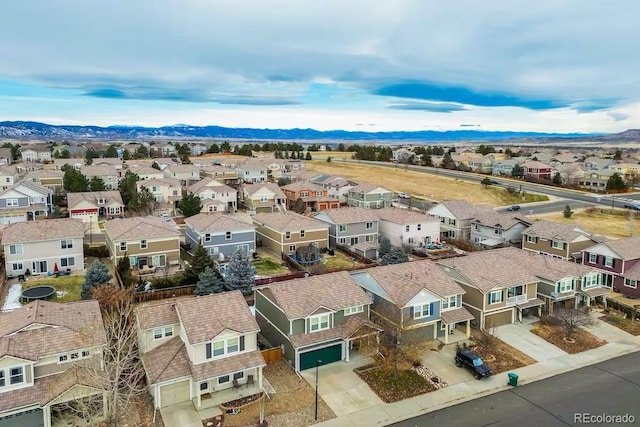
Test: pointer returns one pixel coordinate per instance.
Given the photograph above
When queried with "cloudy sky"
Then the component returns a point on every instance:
(544, 65)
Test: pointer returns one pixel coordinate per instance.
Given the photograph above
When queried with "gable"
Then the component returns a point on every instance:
(422, 297)
(84, 204)
(7, 361)
(368, 283)
(442, 211)
(580, 238)
(604, 250)
(12, 194)
(227, 333)
(323, 217)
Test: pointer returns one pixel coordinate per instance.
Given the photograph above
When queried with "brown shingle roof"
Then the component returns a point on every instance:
(462, 209)
(404, 281)
(351, 325)
(139, 228)
(451, 317)
(555, 230)
(288, 221)
(404, 216)
(302, 185)
(36, 231)
(490, 269)
(92, 196)
(251, 189)
(299, 298)
(506, 220)
(628, 248)
(211, 184)
(154, 314)
(205, 317)
(167, 361)
(546, 267)
(212, 222)
(350, 215)
(215, 368)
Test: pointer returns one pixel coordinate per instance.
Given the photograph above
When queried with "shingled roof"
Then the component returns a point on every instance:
(288, 221)
(349, 215)
(212, 222)
(556, 231)
(37, 231)
(146, 227)
(628, 248)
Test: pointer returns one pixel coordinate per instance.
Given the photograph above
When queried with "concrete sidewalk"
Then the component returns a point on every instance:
(388, 413)
(521, 338)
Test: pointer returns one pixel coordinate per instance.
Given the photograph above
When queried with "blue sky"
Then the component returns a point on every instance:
(570, 66)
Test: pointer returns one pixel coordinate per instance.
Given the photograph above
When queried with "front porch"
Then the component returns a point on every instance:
(217, 398)
(450, 320)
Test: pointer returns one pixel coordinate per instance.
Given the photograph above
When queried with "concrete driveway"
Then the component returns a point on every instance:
(341, 388)
(441, 364)
(183, 415)
(520, 337)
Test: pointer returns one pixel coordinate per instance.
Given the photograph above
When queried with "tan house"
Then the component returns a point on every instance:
(8, 176)
(202, 349)
(288, 231)
(315, 197)
(165, 190)
(90, 205)
(51, 179)
(186, 174)
(45, 351)
(566, 241)
(498, 289)
(145, 172)
(148, 241)
(220, 173)
(108, 173)
(215, 196)
(263, 197)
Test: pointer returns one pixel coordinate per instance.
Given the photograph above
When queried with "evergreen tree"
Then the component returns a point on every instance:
(213, 148)
(124, 270)
(90, 155)
(199, 263)
(126, 155)
(74, 181)
(97, 274)
(190, 205)
(209, 282)
(308, 156)
(111, 152)
(517, 171)
(299, 206)
(143, 202)
(395, 256)
(155, 165)
(486, 181)
(96, 184)
(385, 246)
(329, 159)
(616, 182)
(142, 152)
(128, 187)
(567, 211)
(557, 179)
(285, 180)
(57, 212)
(240, 273)
(225, 147)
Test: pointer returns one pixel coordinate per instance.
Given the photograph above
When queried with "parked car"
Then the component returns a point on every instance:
(496, 182)
(468, 359)
(404, 196)
(514, 208)
(634, 206)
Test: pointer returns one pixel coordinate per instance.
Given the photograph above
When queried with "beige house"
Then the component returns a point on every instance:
(566, 241)
(288, 231)
(215, 195)
(45, 351)
(146, 172)
(186, 174)
(263, 197)
(202, 349)
(90, 205)
(455, 218)
(42, 247)
(148, 241)
(108, 173)
(498, 289)
(8, 176)
(165, 190)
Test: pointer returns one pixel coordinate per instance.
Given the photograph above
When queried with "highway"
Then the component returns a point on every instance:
(611, 387)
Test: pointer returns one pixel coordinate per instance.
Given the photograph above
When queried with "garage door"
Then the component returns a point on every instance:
(33, 418)
(12, 219)
(174, 393)
(325, 355)
(499, 319)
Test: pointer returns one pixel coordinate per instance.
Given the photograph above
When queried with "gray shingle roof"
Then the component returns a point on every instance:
(350, 215)
(288, 221)
(628, 248)
(302, 185)
(139, 228)
(36, 231)
(404, 216)
(506, 220)
(92, 196)
(251, 189)
(546, 267)
(555, 230)
(212, 222)
(462, 209)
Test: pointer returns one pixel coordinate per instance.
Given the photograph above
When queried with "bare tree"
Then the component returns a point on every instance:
(571, 320)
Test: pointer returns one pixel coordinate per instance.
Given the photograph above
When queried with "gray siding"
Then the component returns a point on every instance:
(220, 241)
(546, 288)
(434, 314)
(275, 316)
(22, 202)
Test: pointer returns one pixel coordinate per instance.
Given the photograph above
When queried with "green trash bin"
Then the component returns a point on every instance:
(513, 379)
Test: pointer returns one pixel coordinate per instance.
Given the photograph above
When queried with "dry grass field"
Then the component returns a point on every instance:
(600, 222)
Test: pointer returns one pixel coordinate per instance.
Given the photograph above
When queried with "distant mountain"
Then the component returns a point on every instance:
(35, 130)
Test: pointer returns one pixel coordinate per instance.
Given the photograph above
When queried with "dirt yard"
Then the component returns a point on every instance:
(617, 319)
(291, 405)
(391, 388)
(600, 221)
(555, 335)
(500, 356)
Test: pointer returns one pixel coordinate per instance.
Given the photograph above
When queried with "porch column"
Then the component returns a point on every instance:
(519, 315)
(347, 350)
(588, 301)
(468, 331)
(539, 311)
(604, 301)
(435, 331)
(260, 377)
(46, 412)
(198, 395)
(446, 334)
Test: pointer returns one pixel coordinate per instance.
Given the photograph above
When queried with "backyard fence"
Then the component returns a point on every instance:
(158, 294)
(271, 355)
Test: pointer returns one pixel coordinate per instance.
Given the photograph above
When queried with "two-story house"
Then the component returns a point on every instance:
(455, 218)
(496, 229)
(36, 153)
(369, 196)
(415, 301)
(263, 197)
(145, 172)
(52, 179)
(595, 179)
(221, 234)
(203, 349)
(566, 241)
(91, 205)
(498, 290)
(315, 320)
(482, 164)
(108, 173)
(597, 163)
(9, 176)
(146, 240)
(25, 201)
(220, 173)
(285, 232)
(186, 174)
(252, 171)
(165, 190)
(350, 226)
(215, 196)
(50, 355)
(77, 164)
(407, 227)
(43, 247)
(314, 196)
(618, 262)
(503, 167)
(6, 156)
(336, 186)
(535, 170)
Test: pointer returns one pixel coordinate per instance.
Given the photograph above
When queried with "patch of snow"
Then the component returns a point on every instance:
(252, 308)
(12, 301)
(61, 294)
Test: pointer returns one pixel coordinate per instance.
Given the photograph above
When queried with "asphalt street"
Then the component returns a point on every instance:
(607, 388)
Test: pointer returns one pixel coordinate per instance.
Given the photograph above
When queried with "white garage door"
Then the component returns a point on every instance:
(12, 219)
(174, 393)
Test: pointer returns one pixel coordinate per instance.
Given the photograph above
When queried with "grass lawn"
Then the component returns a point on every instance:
(500, 356)
(68, 288)
(269, 267)
(555, 335)
(601, 222)
(407, 383)
(627, 325)
(419, 184)
(339, 260)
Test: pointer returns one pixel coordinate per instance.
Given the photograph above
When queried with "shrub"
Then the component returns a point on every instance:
(96, 251)
(550, 321)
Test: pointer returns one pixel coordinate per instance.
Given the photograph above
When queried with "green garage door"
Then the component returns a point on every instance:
(326, 355)
(32, 418)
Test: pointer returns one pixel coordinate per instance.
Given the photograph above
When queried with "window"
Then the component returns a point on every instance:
(565, 285)
(495, 297)
(15, 249)
(238, 375)
(85, 353)
(442, 220)
(342, 241)
(450, 302)
(608, 261)
(223, 379)
(369, 238)
(342, 227)
(630, 283)
(232, 345)
(218, 348)
(353, 310)
(2, 383)
(407, 228)
(66, 244)
(63, 358)
(591, 280)
(498, 232)
(143, 244)
(292, 248)
(214, 250)
(304, 194)
(16, 266)
(420, 311)
(557, 245)
(319, 323)
(515, 291)
(302, 233)
(369, 225)
(593, 258)
(12, 203)
(123, 246)
(163, 332)
(419, 227)
(16, 375)
(319, 193)
(207, 237)
(67, 262)
(74, 356)
(287, 235)
(531, 239)
(204, 386)
(227, 235)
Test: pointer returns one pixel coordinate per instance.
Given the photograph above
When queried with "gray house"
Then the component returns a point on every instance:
(26, 201)
(221, 234)
(369, 196)
(351, 226)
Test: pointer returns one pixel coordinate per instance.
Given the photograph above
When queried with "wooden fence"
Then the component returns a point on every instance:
(271, 355)
(158, 294)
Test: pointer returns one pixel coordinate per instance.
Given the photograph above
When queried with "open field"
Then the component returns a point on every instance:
(600, 222)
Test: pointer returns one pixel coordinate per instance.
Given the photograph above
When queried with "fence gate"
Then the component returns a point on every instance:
(271, 355)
